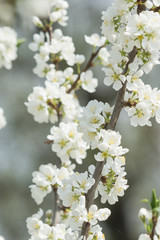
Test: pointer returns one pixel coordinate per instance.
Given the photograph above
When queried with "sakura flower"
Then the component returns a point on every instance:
(95, 40)
(114, 76)
(88, 82)
(68, 142)
(139, 115)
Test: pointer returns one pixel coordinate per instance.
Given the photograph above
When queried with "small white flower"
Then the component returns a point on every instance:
(95, 40)
(140, 115)
(88, 82)
(114, 76)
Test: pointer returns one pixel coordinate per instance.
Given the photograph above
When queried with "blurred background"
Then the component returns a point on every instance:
(22, 147)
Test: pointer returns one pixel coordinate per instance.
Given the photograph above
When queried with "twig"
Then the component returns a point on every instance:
(141, 6)
(156, 9)
(56, 207)
(154, 220)
(88, 65)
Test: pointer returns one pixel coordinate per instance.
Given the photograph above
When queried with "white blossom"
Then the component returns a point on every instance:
(2, 119)
(8, 47)
(95, 40)
(88, 82)
(144, 237)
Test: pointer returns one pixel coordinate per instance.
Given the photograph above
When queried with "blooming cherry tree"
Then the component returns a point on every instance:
(128, 49)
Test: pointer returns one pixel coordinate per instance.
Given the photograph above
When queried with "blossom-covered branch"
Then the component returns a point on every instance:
(131, 29)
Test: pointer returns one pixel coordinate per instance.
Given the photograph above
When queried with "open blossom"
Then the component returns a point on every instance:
(95, 40)
(93, 215)
(114, 76)
(68, 142)
(140, 115)
(94, 115)
(44, 179)
(74, 188)
(88, 82)
(8, 47)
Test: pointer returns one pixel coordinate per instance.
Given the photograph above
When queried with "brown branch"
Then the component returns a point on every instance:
(141, 6)
(120, 98)
(56, 206)
(99, 166)
(88, 65)
(48, 141)
(154, 220)
(156, 9)
(56, 108)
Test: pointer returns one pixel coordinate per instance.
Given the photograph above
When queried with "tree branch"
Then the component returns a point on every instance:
(141, 6)
(56, 207)
(99, 166)
(154, 220)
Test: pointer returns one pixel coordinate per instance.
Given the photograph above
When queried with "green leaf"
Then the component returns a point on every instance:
(157, 210)
(20, 41)
(146, 201)
(153, 199)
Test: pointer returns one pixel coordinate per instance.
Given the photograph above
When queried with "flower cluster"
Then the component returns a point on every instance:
(68, 143)
(144, 103)
(41, 230)
(57, 95)
(72, 193)
(94, 117)
(59, 12)
(8, 47)
(113, 182)
(136, 36)
(48, 177)
(2, 119)
(46, 103)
